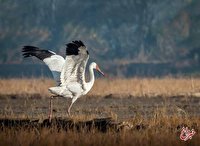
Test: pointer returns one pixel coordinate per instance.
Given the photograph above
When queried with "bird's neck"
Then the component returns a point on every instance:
(91, 71)
(91, 78)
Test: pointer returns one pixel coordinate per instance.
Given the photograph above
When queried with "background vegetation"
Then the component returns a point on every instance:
(117, 32)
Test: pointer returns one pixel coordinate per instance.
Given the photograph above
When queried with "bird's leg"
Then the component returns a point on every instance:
(68, 110)
(73, 100)
(50, 108)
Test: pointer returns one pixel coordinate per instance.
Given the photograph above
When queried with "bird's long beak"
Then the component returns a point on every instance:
(98, 69)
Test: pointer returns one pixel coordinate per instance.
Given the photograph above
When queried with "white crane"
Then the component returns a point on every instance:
(69, 73)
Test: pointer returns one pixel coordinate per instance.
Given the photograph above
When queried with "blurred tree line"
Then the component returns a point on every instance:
(116, 31)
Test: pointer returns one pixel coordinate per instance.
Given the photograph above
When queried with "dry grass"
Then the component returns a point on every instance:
(156, 131)
(147, 86)
(159, 129)
(25, 86)
(134, 86)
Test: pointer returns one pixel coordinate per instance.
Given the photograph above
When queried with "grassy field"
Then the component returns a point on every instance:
(153, 111)
(134, 86)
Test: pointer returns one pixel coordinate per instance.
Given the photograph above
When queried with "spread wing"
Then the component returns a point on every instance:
(73, 72)
(52, 60)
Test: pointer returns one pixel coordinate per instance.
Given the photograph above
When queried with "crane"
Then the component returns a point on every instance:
(69, 73)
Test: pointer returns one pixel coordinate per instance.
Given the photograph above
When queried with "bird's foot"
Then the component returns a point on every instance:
(50, 118)
(69, 114)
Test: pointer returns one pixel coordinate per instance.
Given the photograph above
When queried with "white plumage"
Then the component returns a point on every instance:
(69, 73)
(55, 64)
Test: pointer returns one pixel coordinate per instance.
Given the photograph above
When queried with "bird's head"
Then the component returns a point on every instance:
(95, 66)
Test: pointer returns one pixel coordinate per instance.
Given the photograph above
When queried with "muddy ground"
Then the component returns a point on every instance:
(120, 107)
(119, 120)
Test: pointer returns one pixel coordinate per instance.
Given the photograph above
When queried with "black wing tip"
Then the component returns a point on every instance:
(29, 51)
(29, 48)
(77, 43)
(25, 55)
(72, 48)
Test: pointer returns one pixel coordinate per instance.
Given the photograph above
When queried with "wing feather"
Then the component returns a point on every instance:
(73, 72)
(51, 59)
